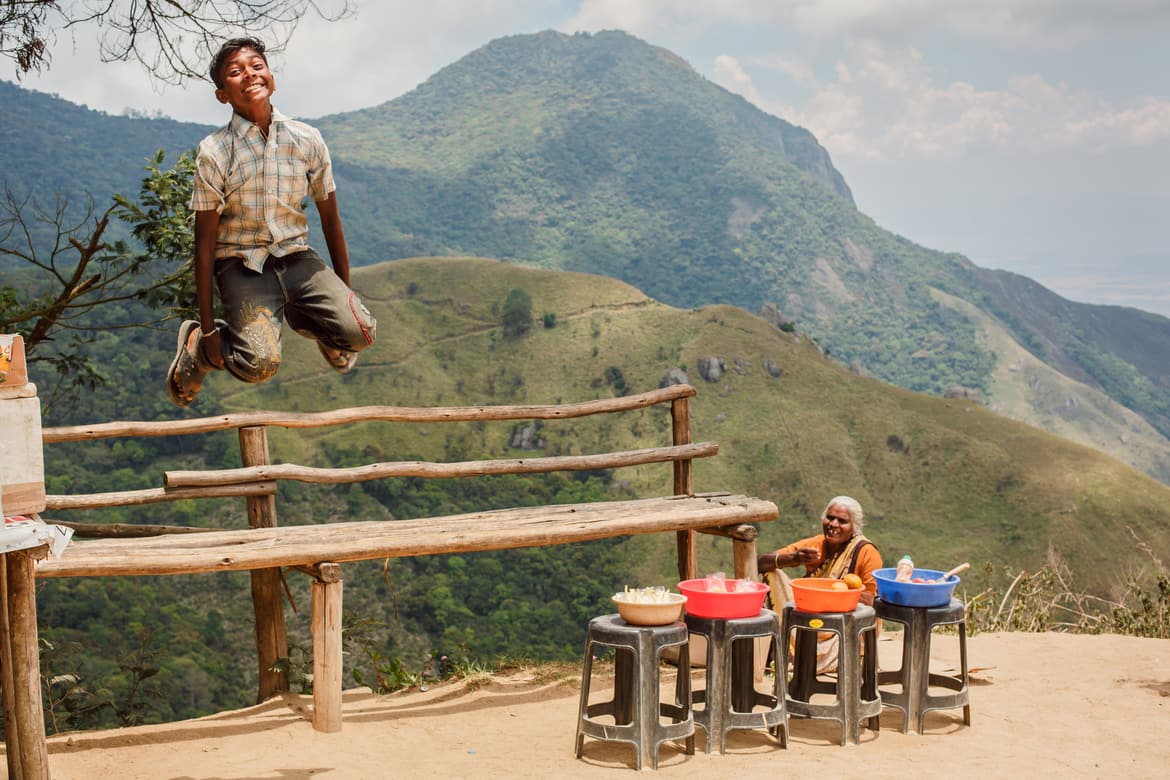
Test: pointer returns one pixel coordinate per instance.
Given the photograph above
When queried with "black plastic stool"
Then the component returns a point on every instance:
(856, 684)
(915, 699)
(730, 697)
(635, 707)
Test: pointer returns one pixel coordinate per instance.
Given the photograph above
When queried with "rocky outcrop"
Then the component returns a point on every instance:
(675, 376)
(712, 368)
(958, 391)
(527, 437)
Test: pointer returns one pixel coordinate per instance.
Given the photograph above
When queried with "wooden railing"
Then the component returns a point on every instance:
(256, 482)
(263, 549)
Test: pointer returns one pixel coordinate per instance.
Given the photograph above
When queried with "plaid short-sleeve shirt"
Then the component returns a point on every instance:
(259, 186)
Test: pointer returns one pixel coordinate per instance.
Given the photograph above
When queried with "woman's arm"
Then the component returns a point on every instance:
(787, 556)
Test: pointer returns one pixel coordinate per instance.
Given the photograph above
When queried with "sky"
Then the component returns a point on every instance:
(1027, 135)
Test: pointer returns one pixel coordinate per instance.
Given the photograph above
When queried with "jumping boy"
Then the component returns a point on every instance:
(251, 239)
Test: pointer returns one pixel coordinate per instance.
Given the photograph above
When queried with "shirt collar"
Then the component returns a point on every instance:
(240, 125)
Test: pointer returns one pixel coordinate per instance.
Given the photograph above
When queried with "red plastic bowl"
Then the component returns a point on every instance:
(740, 603)
(816, 594)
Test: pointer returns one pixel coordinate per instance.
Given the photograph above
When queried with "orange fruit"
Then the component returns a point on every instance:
(853, 581)
(840, 585)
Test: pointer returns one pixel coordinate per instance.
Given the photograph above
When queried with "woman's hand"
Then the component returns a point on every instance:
(773, 561)
(806, 555)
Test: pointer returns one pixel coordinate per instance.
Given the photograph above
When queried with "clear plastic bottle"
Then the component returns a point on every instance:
(905, 569)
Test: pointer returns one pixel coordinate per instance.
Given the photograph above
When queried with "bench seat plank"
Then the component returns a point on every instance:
(305, 545)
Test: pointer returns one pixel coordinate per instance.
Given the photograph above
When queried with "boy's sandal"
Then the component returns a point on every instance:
(185, 376)
(342, 360)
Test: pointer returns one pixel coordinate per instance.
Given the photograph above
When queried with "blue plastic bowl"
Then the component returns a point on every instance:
(915, 594)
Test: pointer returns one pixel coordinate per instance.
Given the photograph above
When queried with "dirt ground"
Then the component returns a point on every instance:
(1079, 706)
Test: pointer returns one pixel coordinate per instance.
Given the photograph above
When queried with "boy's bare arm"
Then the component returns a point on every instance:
(334, 236)
(206, 230)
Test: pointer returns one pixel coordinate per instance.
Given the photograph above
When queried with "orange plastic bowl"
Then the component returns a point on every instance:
(816, 594)
(743, 602)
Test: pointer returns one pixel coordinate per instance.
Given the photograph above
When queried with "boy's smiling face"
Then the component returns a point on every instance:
(248, 84)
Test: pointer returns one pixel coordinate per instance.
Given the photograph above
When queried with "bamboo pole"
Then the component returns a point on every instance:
(7, 680)
(25, 662)
(473, 468)
(680, 418)
(271, 639)
(327, 657)
(365, 414)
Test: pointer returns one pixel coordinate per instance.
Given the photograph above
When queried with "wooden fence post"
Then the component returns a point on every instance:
(7, 680)
(271, 637)
(327, 658)
(680, 417)
(22, 671)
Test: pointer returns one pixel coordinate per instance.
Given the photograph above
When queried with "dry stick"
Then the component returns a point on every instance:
(1003, 602)
(288, 593)
(390, 585)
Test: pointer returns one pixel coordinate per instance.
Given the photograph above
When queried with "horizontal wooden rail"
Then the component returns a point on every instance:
(156, 495)
(414, 468)
(261, 548)
(265, 548)
(365, 414)
(126, 530)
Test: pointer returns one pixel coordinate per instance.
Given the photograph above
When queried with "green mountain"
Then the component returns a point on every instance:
(52, 149)
(605, 154)
(602, 153)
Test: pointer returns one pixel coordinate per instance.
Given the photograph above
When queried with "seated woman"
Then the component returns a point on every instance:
(840, 549)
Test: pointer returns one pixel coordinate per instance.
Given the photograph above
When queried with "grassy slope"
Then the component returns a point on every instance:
(946, 480)
(1027, 389)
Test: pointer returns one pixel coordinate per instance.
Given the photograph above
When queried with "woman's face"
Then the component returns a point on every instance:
(837, 524)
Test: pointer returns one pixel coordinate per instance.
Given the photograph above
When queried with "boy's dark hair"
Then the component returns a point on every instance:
(227, 50)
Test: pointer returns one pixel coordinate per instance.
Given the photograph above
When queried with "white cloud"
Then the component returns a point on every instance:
(879, 101)
(1018, 23)
(731, 75)
(794, 67)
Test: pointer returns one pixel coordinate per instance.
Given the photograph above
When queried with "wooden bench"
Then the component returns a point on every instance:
(321, 549)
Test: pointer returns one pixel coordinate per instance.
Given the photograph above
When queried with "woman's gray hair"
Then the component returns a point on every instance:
(854, 509)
